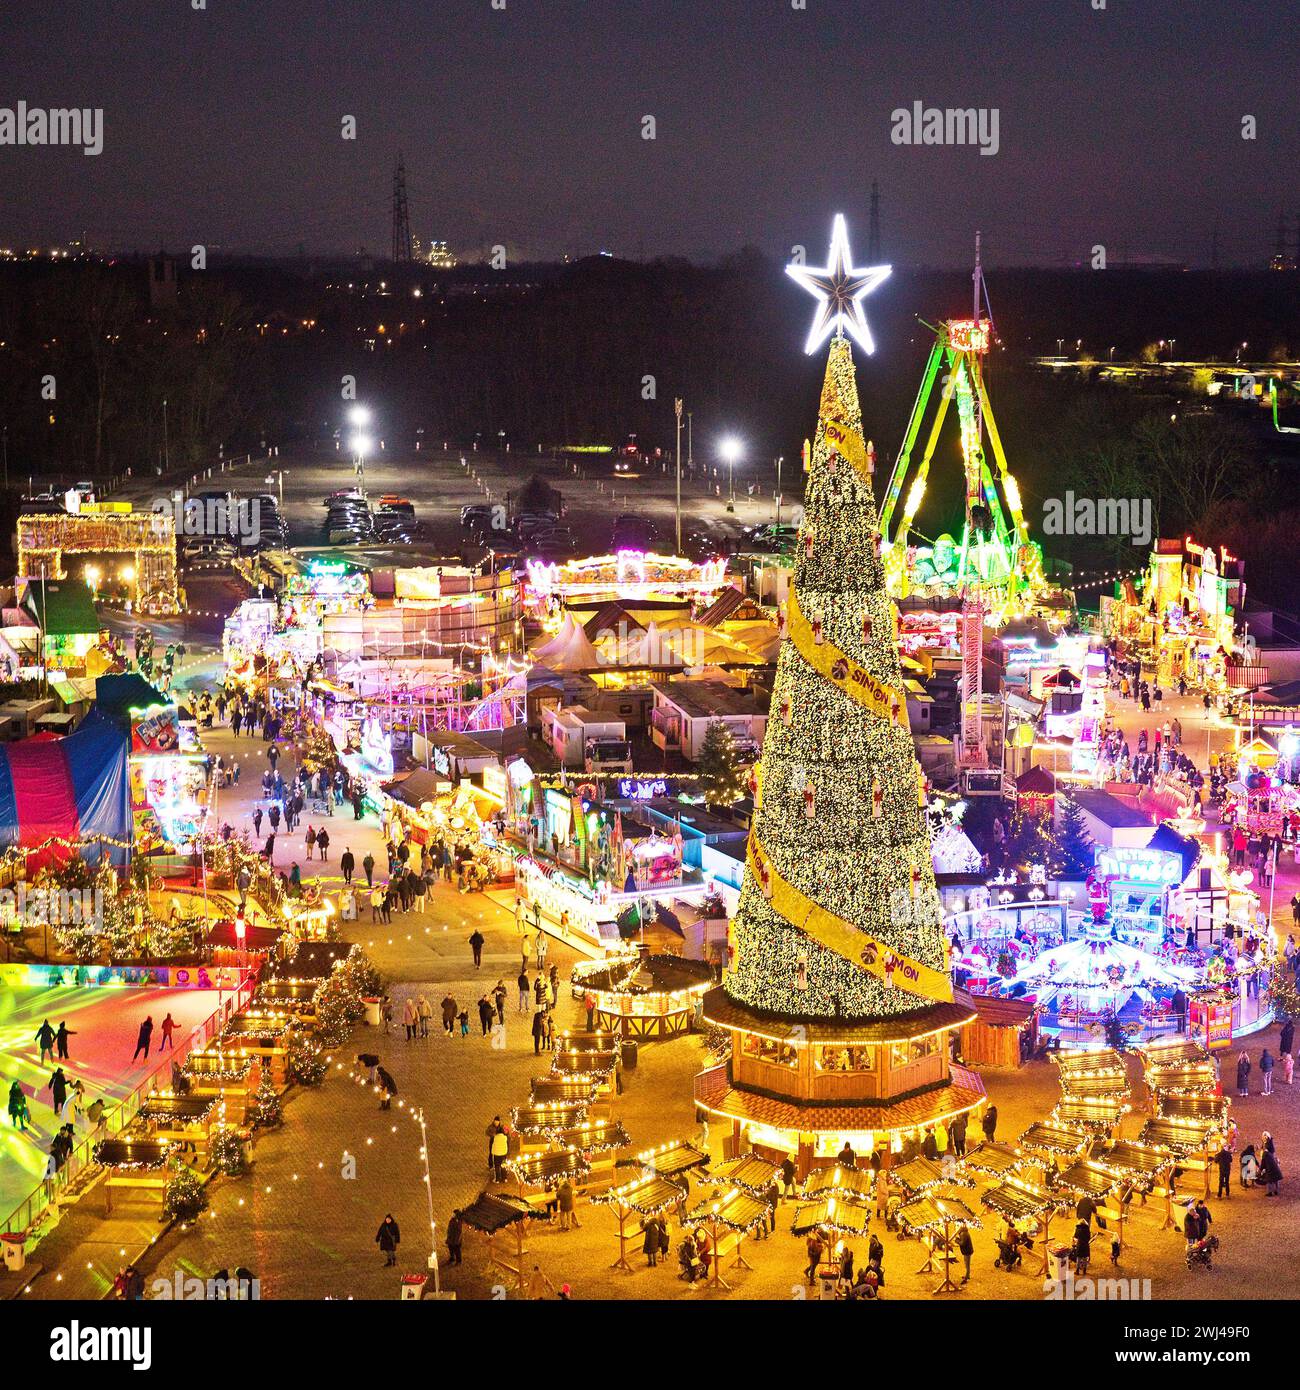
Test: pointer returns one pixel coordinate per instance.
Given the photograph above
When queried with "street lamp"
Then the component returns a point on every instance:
(359, 416)
(779, 461)
(729, 451)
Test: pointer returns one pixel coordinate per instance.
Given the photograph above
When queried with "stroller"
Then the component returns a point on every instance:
(1201, 1252)
(1009, 1255)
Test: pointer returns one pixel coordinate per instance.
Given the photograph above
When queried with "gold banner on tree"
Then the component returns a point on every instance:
(843, 671)
(848, 442)
(842, 937)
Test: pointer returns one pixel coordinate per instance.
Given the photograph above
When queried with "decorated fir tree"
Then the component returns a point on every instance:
(184, 1196)
(721, 778)
(1073, 851)
(265, 1112)
(839, 914)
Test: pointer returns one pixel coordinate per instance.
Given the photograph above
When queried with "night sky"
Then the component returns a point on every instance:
(523, 126)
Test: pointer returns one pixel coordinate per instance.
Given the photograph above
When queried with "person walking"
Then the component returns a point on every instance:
(525, 990)
(58, 1084)
(568, 1217)
(257, 822)
(45, 1036)
(455, 1235)
(448, 1015)
(425, 1012)
(388, 1238)
(1243, 1073)
(323, 843)
(815, 1248)
(499, 996)
(410, 1018)
(957, 1133)
(476, 945)
(310, 838)
(1224, 1161)
(485, 1012)
(143, 1039)
(989, 1123)
(1266, 1071)
(168, 1028)
(965, 1248)
(348, 864)
(1270, 1170)
(368, 864)
(539, 1030)
(500, 1151)
(18, 1111)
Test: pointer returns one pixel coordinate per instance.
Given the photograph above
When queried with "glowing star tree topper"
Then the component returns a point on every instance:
(840, 288)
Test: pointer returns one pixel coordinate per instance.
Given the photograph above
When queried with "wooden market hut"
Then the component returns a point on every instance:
(1003, 1033)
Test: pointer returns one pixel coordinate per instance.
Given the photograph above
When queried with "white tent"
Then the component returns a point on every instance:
(569, 650)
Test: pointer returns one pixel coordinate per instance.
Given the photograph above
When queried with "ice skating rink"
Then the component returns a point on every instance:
(104, 1022)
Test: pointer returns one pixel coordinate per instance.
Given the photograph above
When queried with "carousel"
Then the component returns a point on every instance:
(1082, 983)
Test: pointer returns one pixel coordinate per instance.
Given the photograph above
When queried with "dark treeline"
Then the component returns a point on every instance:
(594, 351)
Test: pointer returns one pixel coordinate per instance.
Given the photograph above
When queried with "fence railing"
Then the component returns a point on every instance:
(25, 1214)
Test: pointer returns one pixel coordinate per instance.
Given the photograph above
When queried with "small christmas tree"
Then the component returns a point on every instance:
(264, 1113)
(337, 1008)
(720, 774)
(183, 1197)
(1073, 851)
(226, 1150)
(360, 975)
(307, 1064)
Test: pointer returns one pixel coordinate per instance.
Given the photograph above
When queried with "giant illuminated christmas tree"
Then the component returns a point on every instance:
(838, 988)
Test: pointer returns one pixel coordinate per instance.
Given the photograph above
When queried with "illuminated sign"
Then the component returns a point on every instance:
(969, 335)
(1151, 866)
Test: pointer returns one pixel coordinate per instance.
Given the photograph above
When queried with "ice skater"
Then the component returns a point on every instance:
(143, 1040)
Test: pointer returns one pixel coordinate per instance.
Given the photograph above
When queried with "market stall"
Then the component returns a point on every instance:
(1096, 1115)
(931, 1218)
(839, 1181)
(183, 1119)
(1089, 1178)
(644, 997)
(922, 1174)
(134, 1165)
(749, 1172)
(728, 1220)
(992, 1160)
(643, 1197)
(264, 1036)
(1028, 1207)
(548, 1090)
(492, 1213)
(535, 1124)
(224, 1074)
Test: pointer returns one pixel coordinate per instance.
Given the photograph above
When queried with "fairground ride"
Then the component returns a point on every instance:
(994, 571)
(994, 553)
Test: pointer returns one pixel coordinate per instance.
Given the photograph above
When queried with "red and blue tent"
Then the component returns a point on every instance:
(71, 788)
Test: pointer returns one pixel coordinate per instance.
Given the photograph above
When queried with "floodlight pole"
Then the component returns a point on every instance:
(677, 406)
